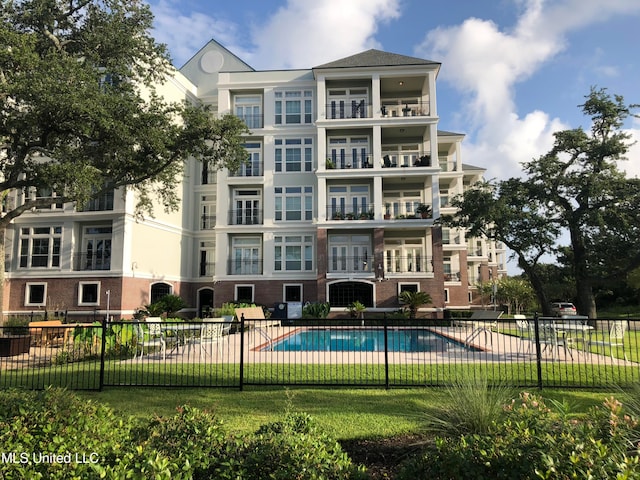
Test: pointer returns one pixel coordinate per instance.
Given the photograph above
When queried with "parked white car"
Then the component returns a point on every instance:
(563, 308)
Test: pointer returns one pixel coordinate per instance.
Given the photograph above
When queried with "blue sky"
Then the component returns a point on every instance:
(513, 71)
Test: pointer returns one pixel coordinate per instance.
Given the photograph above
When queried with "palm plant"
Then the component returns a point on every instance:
(413, 301)
(356, 309)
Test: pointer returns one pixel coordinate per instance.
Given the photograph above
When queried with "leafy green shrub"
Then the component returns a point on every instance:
(535, 442)
(316, 310)
(296, 449)
(94, 442)
(56, 422)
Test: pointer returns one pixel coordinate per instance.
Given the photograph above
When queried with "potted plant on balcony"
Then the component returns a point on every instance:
(330, 164)
(424, 210)
(387, 211)
(338, 215)
(351, 216)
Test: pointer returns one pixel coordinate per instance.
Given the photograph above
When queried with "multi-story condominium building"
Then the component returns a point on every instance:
(347, 174)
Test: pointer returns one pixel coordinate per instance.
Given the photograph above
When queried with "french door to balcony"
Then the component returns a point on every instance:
(350, 103)
(246, 261)
(247, 212)
(97, 254)
(353, 259)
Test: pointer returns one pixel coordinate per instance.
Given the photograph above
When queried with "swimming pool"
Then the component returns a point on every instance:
(367, 340)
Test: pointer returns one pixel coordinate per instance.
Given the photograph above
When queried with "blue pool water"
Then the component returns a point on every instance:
(367, 340)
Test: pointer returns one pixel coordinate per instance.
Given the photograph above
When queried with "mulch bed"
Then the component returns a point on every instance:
(383, 456)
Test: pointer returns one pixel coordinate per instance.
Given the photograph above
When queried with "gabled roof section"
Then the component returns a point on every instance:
(233, 63)
(375, 58)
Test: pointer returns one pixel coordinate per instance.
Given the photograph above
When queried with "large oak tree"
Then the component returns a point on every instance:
(575, 188)
(80, 113)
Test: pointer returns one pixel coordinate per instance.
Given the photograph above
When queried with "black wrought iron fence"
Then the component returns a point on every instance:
(523, 352)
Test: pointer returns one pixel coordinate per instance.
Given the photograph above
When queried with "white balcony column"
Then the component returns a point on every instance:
(322, 149)
(376, 152)
(322, 199)
(322, 98)
(376, 104)
(433, 110)
(378, 207)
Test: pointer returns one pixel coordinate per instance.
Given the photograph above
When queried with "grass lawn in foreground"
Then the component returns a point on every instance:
(343, 413)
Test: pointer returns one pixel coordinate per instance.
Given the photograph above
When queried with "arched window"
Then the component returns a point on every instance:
(159, 290)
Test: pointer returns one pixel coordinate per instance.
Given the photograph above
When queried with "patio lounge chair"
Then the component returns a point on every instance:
(615, 338)
(524, 333)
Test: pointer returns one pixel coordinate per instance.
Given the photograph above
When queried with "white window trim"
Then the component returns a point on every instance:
(26, 294)
(244, 285)
(404, 284)
(284, 290)
(447, 297)
(80, 289)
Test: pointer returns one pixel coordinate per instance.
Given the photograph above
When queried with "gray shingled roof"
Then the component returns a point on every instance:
(376, 58)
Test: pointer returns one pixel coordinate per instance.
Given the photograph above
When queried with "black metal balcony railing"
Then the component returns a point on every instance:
(337, 213)
(101, 203)
(92, 261)
(339, 161)
(207, 269)
(397, 108)
(246, 216)
(348, 109)
(350, 264)
(245, 266)
(408, 264)
(207, 222)
(252, 120)
(451, 276)
(252, 169)
(406, 160)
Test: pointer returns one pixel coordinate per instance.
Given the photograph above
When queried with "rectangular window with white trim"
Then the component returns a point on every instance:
(40, 247)
(294, 154)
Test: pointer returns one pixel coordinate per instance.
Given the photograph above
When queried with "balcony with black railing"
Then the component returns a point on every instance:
(343, 213)
(346, 109)
(246, 216)
(206, 269)
(394, 108)
(407, 264)
(207, 222)
(255, 120)
(92, 261)
(244, 266)
(344, 161)
(350, 264)
(250, 169)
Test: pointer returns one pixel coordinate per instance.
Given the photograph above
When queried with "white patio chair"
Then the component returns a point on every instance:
(210, 334)
(615, 338)
(553, 338)
(524, 333)
(153, 338)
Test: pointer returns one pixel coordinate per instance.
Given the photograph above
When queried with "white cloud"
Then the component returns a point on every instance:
(186, 34)
(486, 63)
(303, 34)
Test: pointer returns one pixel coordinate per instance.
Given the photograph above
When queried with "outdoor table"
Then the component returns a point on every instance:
(575, 331)
(182, 332)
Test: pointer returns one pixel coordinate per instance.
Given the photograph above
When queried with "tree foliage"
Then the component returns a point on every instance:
(82, 111)
(575, 188)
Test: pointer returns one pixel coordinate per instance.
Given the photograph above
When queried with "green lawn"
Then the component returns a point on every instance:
(344, 413)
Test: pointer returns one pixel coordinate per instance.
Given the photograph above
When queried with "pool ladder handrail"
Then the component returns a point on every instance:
(266, 336)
